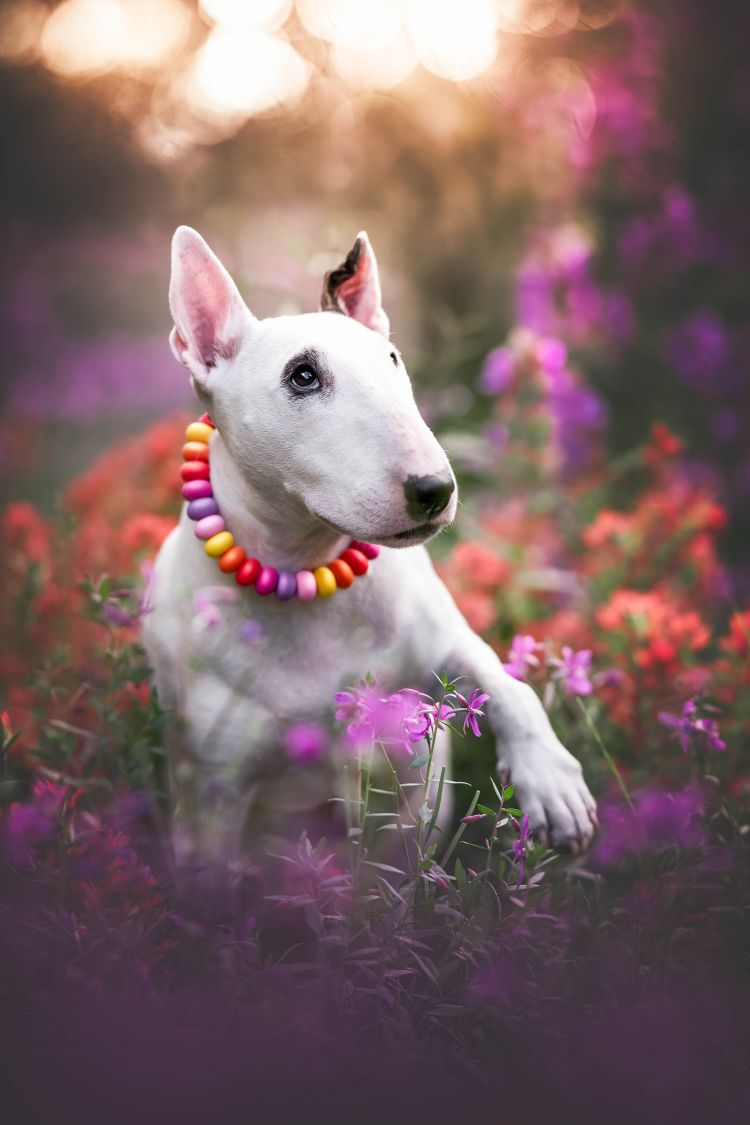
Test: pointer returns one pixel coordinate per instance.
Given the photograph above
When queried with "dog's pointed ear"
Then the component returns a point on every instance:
(354, 288)
(208, 312)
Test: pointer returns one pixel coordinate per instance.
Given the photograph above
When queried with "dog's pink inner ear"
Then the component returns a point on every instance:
(205, 304)
(354, 288)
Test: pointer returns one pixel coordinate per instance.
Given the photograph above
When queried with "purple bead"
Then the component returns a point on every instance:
(267, 579)
(199, 509)
(286, 587)
(196, 489)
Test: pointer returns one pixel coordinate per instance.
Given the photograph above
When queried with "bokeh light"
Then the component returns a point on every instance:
(266, 14)
(353, 22)
(378, 68)
(83, 38)
(237, 73)
(454, 39)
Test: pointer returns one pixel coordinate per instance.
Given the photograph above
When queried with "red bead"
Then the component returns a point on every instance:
(195, 470)
(231, 559)
(342, 572)
(195, 451)
(356, 560)
(247, 572)
(206, 418)
(369, 550)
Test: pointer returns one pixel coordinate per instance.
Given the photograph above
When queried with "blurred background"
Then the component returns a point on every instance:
(573, 169)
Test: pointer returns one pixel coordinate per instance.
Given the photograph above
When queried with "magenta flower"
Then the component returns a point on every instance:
(573, 671)
(472, 709)
(398, 720)
(522, 656)
(305, 742)
(693, 730)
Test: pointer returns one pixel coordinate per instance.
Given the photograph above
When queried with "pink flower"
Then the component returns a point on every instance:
(398, 720)
(573, 671)
(473, 711)
(522, 656)
(305, 742)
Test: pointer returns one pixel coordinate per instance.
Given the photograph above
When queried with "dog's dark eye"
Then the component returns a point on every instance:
(394, 357)
(304, 378)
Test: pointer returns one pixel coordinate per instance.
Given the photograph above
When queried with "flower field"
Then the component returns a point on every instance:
(565, 240)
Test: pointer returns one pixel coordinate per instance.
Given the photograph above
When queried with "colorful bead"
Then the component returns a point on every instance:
(307, 587)
(247, 572)
(199, 509)
(198, 431)
(286, 587)
(343, 574)
(369, 550)
(231, 560)
(195, 451)
(218, 544)
(325, 581)
(195, 470)
(197, 489)
(209, 526)
(267, 579)
(356, 560)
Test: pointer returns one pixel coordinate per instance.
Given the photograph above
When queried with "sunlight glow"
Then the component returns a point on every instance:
(83, 38)
(377, 68)
(266, 14)
(454, 39)
(236, 74)
(368, 24)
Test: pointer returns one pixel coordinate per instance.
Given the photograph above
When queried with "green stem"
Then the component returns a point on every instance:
(459, 831)
(612, 765)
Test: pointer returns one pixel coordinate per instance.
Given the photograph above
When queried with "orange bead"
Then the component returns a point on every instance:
(342, 572)
(356, 560)
(231, 559)
(195, 451)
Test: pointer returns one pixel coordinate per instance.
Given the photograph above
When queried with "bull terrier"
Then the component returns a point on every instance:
(317, 442)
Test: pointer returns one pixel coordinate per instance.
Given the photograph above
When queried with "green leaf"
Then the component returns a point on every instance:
(508, 791)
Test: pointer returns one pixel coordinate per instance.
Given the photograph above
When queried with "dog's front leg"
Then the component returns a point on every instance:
(548, 780)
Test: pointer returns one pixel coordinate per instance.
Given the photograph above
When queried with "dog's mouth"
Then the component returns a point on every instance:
(409, 538)
(419, 534)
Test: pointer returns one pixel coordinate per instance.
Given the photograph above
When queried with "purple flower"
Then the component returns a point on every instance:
(658, 820)
(497, 373)
(305, 742)
(397, 721)
(251, 631)
(520, 844)
(693, 730)
(473, 711)
(522, 656)
(573, 671)
(699, 351)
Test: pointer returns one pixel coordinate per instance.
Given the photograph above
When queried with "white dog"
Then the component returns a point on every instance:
(318, 441)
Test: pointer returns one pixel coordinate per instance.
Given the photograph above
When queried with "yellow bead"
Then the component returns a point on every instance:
(218, 544)
(198, 431)
(325, 581)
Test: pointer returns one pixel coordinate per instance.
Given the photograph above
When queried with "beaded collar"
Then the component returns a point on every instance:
(219, 543)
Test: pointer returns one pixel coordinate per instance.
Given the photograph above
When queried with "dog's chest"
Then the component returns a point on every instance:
(291, 658)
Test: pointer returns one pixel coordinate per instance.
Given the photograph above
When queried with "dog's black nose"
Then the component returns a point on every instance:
(428, 496)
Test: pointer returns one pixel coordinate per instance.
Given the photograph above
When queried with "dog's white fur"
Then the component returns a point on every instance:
(296, 476)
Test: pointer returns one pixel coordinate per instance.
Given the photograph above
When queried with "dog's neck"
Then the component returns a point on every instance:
(277, 529)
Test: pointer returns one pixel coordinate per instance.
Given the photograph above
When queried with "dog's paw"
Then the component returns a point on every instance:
(549, 786)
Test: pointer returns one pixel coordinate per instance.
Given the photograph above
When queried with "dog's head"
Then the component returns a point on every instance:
(318, 405)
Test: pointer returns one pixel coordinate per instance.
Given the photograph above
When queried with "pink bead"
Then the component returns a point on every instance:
(208, 526)
(267, 580)
(197, 489)
(369, 550)
(307, 587)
